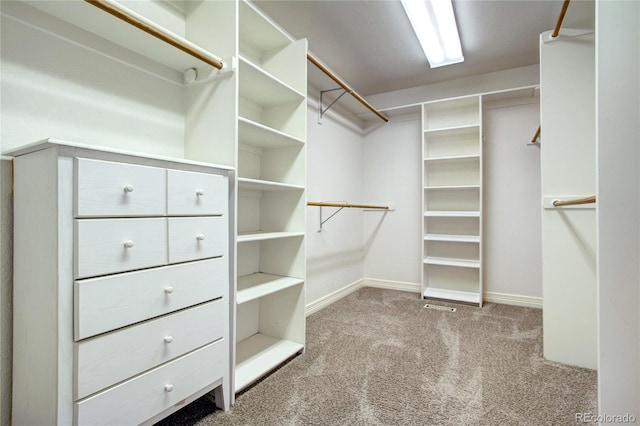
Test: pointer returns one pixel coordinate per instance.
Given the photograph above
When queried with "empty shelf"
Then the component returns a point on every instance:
(256, 134)
(438, 213)
(454, 157)
(453, 238)
(258, 355)
(264, 89)
(453, 130)
(445, 261)
(442, 293)
(453, 187)
(266, 235)
(265, 185)
(254, 286)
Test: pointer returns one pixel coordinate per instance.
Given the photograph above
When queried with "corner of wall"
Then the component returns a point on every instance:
(6, 288)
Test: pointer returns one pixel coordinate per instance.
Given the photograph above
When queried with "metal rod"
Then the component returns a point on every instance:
(148, 27)
(575, 201)
(344, 85)
(535, 137)
(563, 11)
(346, 205)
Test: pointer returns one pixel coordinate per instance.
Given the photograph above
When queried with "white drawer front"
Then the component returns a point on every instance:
(106, 303)
(111, 358)
(191, 193)
(197, 238)
(104, 246)
(104, 188)
(144, 396)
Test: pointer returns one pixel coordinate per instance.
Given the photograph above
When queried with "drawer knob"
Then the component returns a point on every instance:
(128, 188)
(168, 387)
(128, 243)
(200, 192)
(168, 289)
(200, 237)
(168, 339)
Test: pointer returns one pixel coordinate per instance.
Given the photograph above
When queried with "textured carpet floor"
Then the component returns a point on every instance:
(377, 357)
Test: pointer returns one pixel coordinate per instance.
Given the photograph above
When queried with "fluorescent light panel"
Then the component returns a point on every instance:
(435, 26)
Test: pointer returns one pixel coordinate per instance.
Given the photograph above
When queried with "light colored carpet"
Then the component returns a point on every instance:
(377, 357)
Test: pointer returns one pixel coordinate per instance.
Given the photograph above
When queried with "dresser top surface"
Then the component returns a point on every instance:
(71, 145)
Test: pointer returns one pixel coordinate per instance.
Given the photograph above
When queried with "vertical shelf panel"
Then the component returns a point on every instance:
(452, 200)
(271, 160)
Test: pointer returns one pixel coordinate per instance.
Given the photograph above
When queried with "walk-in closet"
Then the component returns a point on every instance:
(314, 212)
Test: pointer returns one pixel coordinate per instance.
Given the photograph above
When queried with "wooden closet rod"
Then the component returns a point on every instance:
(563, 12)
(344, 85)
(113, 9)
(585, 200)
(346, 205)
(536, 135)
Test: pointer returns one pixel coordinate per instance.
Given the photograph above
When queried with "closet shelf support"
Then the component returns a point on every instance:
(322, 92)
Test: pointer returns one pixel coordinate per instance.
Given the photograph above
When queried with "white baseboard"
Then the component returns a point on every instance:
(391, 285)
(330, 298)
(489, 296)
(513, 299)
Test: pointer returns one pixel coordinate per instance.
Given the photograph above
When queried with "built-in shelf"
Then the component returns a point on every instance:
(257, 33)
(432, 213)
(259, 135)
(452, 187)
(454, 157)
(264, 185)
(262, 88)
(445, 261)
(259, 354)
(453, 130)
(255, 286)
(266, 235)
(462, 296)
(453, 238)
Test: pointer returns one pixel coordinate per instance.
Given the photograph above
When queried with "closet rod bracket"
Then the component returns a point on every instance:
(322, 109)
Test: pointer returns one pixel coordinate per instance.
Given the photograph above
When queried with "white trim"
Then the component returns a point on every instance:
(330, 298)
(513, 299)
(489, 296)
(392, 285)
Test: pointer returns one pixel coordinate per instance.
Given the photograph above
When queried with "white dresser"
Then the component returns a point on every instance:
(121, 285)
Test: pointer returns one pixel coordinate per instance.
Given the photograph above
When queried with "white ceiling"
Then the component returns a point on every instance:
(370, 44)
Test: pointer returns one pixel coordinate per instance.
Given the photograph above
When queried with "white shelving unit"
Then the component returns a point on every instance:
(452, 200)
(270, 320)
(253, 119)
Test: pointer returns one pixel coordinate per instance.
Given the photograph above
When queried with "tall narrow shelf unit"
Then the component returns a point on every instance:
(452, 200)
(271, 162)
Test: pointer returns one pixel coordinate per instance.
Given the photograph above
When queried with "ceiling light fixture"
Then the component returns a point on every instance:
(435, 26)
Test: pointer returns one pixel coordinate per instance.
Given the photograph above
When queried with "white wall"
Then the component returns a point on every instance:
(6, 289)
(392, 163)
(334, 173)
(567, 106)
(618, 133)
(52, 87)
(511, 228)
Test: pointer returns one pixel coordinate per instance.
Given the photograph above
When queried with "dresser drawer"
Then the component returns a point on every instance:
(104, 188)
(144, 396)
(197, 238)
(106, 303)
(113, 357)
(105, 246)
(192, 193)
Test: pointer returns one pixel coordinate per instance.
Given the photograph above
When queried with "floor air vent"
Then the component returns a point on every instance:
(439, 307)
